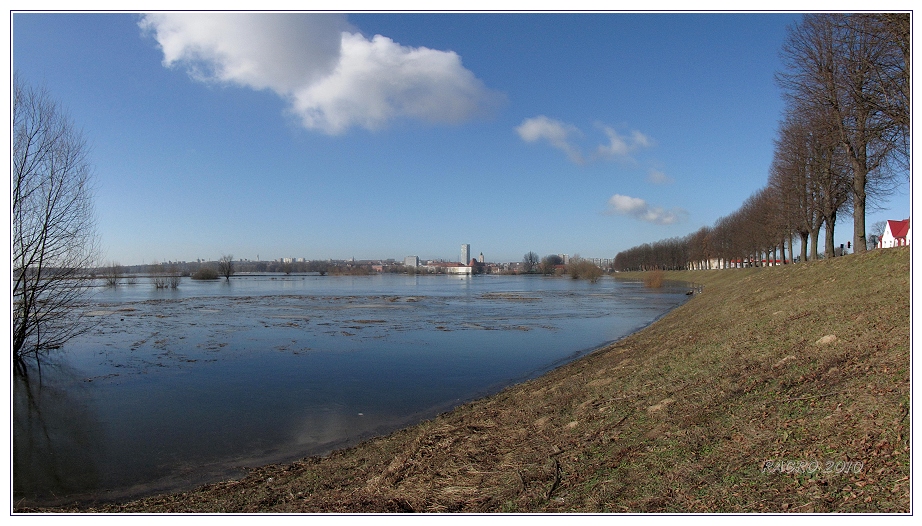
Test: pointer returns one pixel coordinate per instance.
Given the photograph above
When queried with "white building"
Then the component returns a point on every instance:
(411, 261)
(465, 254)
(444, 267)
(465, 270)
(897, 234)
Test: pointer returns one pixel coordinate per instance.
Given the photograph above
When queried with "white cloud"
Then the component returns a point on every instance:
(557, 134)
(563, 136)
(658, 177)
(619, 145)
(276, 51)
(639, 209)
(333, 77)
(378, 80)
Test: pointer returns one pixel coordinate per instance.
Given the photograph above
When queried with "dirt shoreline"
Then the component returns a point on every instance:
(774, 390)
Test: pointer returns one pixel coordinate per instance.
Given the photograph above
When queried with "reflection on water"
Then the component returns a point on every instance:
(51, 420)
(177, 388)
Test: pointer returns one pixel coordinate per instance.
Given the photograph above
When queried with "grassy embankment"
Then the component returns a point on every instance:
(803, 364)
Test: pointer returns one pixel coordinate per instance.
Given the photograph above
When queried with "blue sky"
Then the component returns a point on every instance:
(386, 135)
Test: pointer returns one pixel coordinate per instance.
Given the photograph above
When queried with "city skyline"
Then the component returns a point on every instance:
(383, 135)
(393, 259)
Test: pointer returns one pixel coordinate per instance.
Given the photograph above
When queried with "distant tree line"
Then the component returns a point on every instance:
(113, 273)
(553, 264)
(843, 145)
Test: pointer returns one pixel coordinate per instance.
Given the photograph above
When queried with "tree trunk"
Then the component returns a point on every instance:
(830, 237)
(859, 197)
(804, 239)
(814, 244)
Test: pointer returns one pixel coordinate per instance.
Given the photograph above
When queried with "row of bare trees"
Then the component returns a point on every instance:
(842, 146)
(666, 254)
(844, 141)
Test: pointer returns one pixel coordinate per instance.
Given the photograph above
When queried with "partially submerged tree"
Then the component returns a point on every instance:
(226, 266)
(53, 226)
(174, 276)
(165, 276)
(112, 274)
(320, 267)
(579, 268)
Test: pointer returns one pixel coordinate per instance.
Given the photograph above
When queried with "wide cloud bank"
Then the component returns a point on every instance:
(333, 77)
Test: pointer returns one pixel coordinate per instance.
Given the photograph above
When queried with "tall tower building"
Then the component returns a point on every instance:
(465, 254)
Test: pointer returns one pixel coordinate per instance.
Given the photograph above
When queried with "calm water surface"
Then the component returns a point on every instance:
(174, 388)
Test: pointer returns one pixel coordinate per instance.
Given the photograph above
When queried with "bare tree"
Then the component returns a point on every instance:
(226, 266)
(321, 267)
(700, 248)
(789, 175)
(53, 229)
(876, 232)
(530, 262)
(173, 276)
(112, 273)
(891, 74)
(828, 171)
(165, 276)
(157, 275)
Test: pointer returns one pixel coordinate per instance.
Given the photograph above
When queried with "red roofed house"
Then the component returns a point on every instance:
(897, 234)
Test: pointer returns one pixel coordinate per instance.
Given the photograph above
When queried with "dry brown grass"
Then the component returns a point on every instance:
(680, 417)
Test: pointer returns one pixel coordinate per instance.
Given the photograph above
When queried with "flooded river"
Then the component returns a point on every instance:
(174, 388)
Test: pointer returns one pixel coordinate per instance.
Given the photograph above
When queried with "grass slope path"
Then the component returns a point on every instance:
(780, 389)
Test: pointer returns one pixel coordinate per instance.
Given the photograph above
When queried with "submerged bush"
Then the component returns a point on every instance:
(165, 277)
(205, 273)
(579, 268)
(654, 279)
